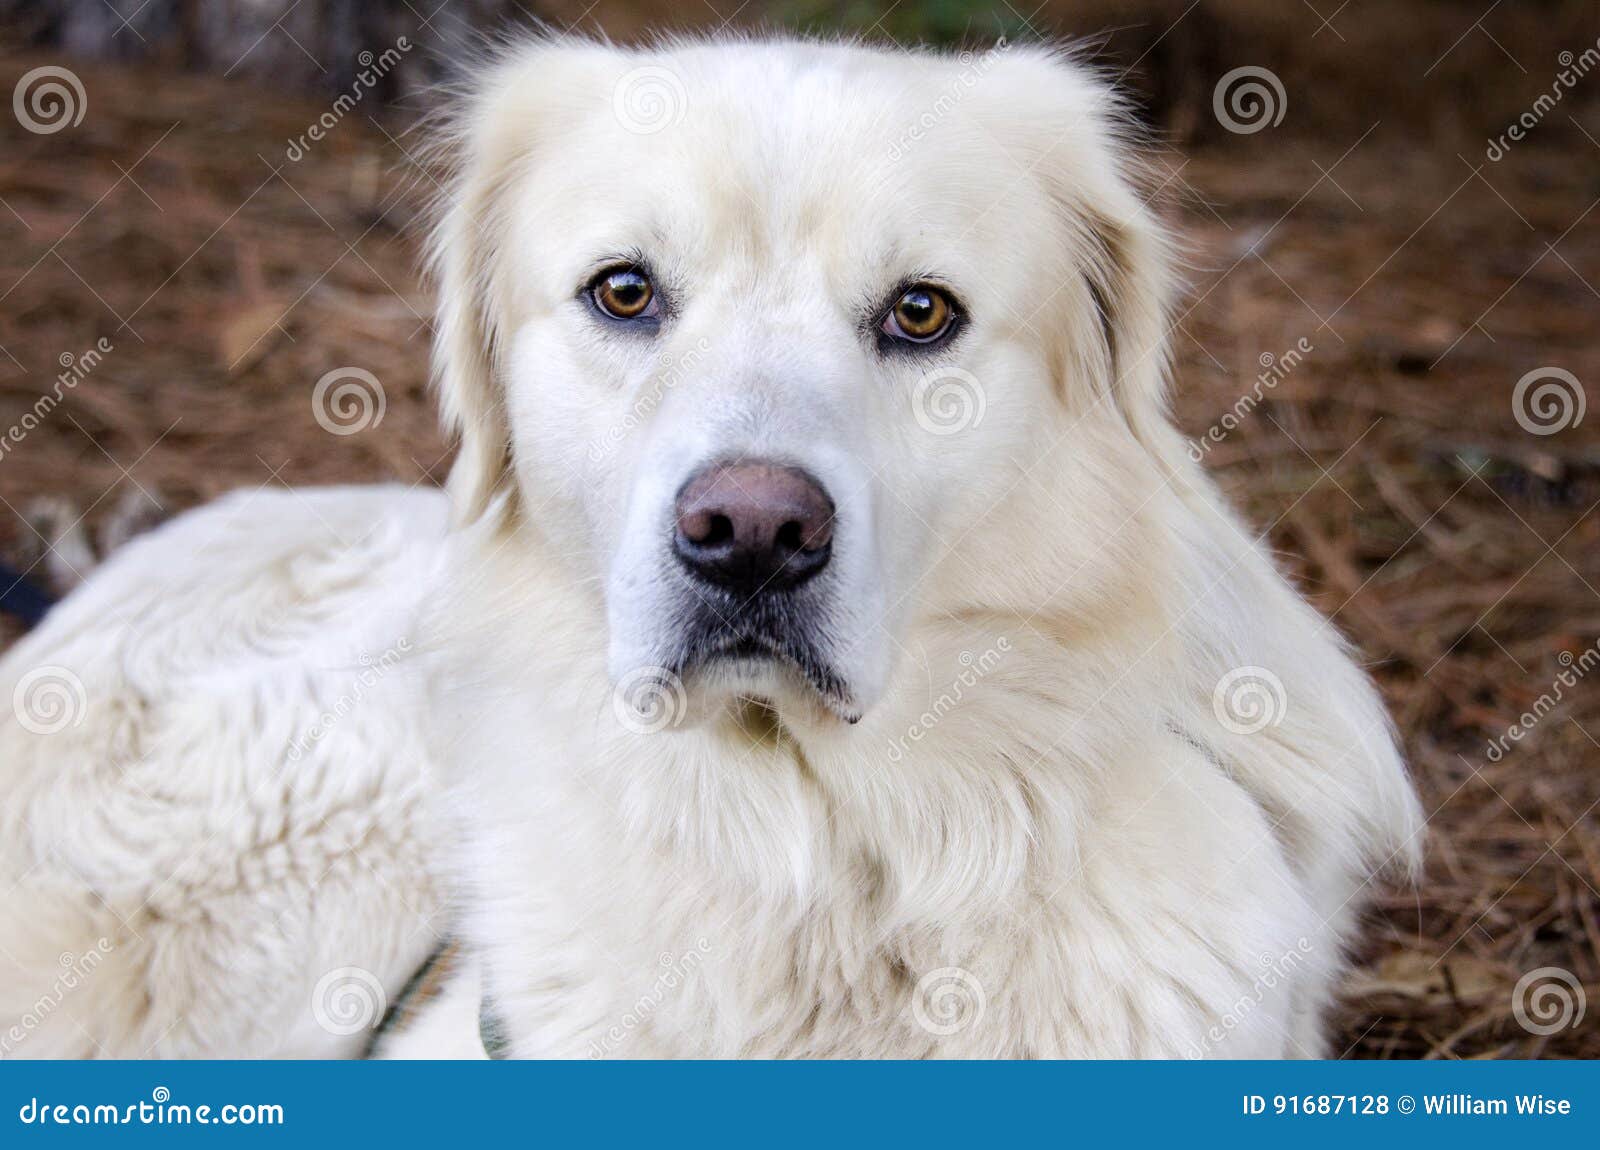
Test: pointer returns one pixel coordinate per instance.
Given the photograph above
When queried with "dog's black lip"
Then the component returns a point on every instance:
(744, 648)
(724, 584)
(734, 646)
(742, 638)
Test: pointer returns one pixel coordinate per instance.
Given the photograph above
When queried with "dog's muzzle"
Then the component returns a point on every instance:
(752, 537)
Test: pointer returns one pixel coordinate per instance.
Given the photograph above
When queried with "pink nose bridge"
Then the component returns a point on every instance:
(759, 500)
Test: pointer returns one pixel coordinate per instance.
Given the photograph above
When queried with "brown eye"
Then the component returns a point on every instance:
(922, 315)
(625, 293)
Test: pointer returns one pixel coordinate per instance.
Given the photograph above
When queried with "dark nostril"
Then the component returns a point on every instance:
(720, 532)
(790, 537)
(705, 528)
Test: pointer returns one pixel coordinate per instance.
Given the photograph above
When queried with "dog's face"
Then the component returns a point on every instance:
(753, 335)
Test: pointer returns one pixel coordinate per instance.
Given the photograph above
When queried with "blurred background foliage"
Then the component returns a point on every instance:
(939, 22)
(1354, 59)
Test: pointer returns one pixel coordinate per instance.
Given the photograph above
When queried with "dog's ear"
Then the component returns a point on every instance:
(464, 348)
(486, 137)
(1130, 278)
(1083, 148)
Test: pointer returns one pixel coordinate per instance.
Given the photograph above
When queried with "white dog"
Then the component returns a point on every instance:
(835, 651)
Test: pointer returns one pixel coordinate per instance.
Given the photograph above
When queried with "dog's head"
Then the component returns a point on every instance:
(772, 344)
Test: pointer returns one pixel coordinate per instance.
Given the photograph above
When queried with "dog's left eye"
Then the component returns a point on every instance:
(923, 314)
(625, 293)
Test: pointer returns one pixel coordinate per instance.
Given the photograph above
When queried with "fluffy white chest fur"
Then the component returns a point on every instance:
(1039, 844)
(1027, 855)
(834, 650)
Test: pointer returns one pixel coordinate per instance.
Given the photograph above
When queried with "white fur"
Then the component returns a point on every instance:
(1039, 815)
(234, 804)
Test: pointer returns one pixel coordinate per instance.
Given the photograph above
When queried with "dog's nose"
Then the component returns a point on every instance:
(754, 526)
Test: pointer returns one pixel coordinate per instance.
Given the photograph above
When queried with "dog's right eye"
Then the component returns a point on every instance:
(625, 293)
(922, 315)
